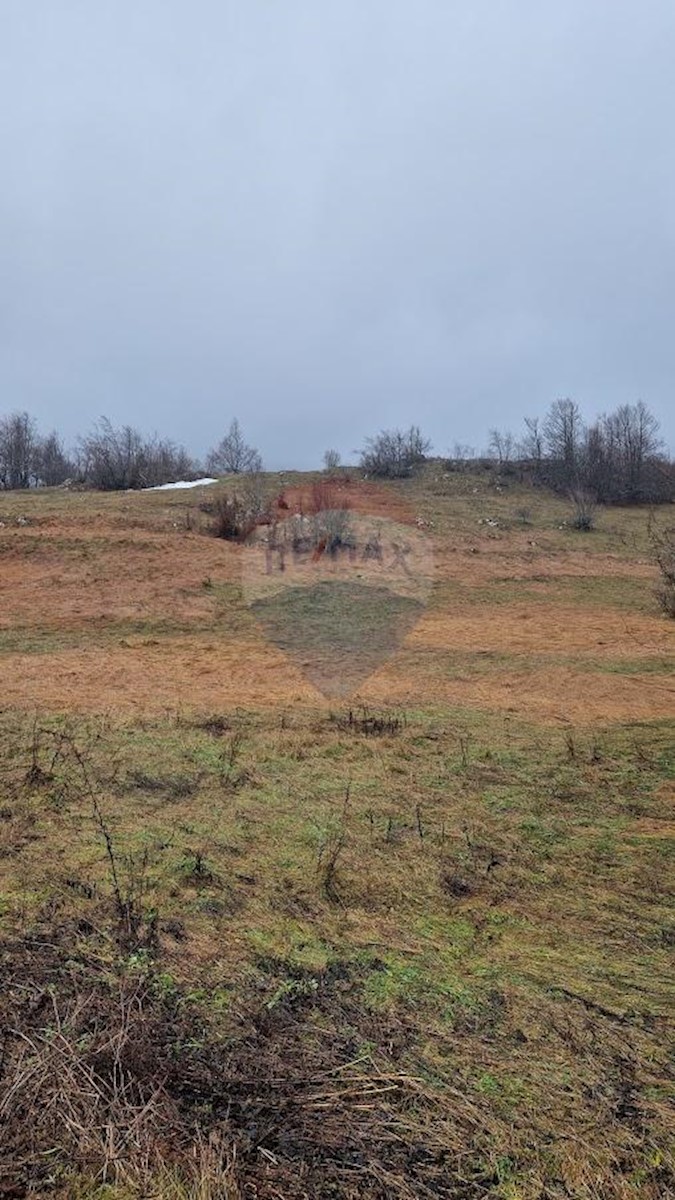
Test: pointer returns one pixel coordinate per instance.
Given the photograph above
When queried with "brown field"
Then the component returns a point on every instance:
(104, 608)
(430, 957)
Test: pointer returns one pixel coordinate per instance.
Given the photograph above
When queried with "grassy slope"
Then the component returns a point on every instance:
(433, 962)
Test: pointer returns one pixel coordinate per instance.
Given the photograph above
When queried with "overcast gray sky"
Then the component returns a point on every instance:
(329, 217)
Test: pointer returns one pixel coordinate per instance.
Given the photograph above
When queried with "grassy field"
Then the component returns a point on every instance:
(414, 941)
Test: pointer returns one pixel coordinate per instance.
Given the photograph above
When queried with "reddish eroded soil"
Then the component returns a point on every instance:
(342, 492)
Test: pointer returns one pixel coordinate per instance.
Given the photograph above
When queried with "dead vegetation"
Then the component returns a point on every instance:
(116, 1076)
(663, 546)
(237, 512)
(369, 724)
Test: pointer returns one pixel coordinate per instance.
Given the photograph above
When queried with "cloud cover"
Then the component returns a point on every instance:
(327, 218)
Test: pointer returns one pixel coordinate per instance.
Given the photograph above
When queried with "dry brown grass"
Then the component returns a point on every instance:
(111, 599)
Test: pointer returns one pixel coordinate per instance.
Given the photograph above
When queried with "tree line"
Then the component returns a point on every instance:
(617, 458)
(110, 458)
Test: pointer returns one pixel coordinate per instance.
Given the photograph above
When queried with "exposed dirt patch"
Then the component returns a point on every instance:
(360, 496)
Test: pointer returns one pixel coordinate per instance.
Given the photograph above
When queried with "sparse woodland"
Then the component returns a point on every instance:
(616, 458)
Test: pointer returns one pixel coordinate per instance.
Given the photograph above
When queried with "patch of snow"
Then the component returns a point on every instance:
(182, 483)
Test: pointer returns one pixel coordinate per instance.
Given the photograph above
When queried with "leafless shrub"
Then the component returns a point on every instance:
(331, 460)
(217, 724)
(331, 846)
(368, 724)
(58, 763)
(229, 758)
(456, 884)
(195, 869)
(663, 548)
(322, 524)
(52, 465)
(119, 459)
(233, 521)
(585, 505)
(394, 453)
(331, 530)
(237, 513)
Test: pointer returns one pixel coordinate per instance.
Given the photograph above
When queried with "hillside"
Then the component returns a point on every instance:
(407, 934)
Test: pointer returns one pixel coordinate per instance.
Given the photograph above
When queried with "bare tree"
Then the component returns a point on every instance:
(632, 432)
(331, 460)
(461, 458)
(166, 462)
(18, 436)
(563, 432)
(112, 459)
(117, 459)
(233, 456)
(622, 457)
(502, 445)
(462, 452)
(394, 452)
(531, 445)
(51, 465)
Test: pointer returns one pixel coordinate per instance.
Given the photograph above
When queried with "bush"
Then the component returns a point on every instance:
(394, 452)
(237, 513)
(663, 546)
(51, 464)
(585, 505)
(115, 460)
(231, 521)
